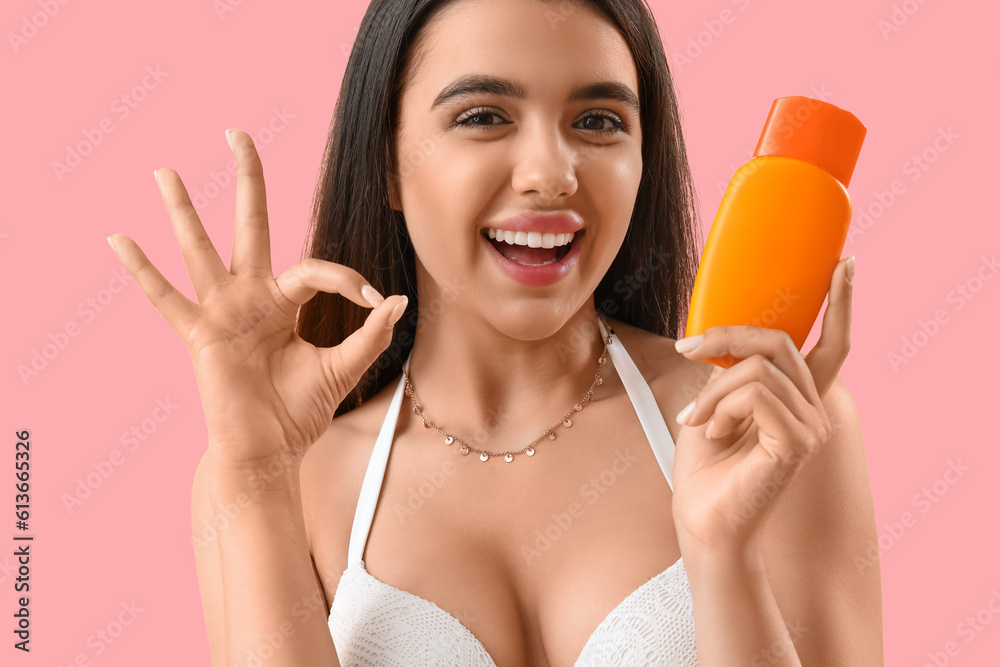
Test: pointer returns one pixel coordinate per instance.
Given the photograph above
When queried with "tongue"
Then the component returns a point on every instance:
(526, 255)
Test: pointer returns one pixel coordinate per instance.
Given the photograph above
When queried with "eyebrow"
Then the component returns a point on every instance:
(490, 85)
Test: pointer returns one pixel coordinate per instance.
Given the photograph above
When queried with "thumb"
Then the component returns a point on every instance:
(359, 351)
(827, 357)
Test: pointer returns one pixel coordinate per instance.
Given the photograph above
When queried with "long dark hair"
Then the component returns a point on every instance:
(649, 283)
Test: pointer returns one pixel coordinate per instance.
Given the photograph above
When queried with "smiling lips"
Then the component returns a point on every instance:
(534, 267)
(531, 248)
(535, 239)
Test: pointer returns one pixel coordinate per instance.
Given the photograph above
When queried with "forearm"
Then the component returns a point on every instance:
(737, 620)
(272, 607)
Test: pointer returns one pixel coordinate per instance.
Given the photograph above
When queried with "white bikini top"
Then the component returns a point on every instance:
(373, 623)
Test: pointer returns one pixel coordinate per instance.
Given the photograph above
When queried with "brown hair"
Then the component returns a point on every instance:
(649, 283)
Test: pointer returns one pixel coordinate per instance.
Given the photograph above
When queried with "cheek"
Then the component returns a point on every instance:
(444, 191)
(612, 185)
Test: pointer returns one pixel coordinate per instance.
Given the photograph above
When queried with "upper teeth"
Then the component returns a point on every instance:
(531, 239)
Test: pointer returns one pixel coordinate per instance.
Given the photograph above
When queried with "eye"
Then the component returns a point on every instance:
(466, 119)
(617, 124)
(473, 118)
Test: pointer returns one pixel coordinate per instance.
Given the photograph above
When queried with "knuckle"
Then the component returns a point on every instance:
(162, 291)
(310, 265)
(185, 208)
(816, 441)
(255, 220)
(711, 334)
(303, 270)
(201, 244)
(759, 390)
(809, 442)
(759, 364)
(787, 341)
(214, 287)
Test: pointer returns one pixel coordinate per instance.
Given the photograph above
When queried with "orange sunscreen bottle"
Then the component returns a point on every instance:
(782, 225)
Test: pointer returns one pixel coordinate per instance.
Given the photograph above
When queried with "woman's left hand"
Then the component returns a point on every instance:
(753, 426)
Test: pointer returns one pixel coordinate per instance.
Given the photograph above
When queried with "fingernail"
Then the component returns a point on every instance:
(685, 414)
(397, 312)
(112, 244)
(229, 139)
(155, 178)
(689, 343)
(850, 270)
(708, 428)
(372, 296)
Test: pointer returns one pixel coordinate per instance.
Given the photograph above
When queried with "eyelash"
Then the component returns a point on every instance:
(463, 121)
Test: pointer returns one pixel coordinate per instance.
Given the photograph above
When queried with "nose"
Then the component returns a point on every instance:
(544, 166)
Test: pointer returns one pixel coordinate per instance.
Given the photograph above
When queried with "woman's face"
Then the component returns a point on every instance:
(520, 139)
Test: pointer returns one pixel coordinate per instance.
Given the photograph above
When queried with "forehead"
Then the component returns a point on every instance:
(546, 47)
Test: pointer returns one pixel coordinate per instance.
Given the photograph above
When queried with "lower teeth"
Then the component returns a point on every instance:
(551, 261)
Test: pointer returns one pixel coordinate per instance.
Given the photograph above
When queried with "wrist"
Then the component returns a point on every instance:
(230, 476)
(722, 554)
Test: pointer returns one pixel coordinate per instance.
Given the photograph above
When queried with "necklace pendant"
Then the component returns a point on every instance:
(568, 423)
(484, 457)
(600, 380)
(578, 407)
(530, 451)
(552, 436)
(465, 450)
(449, 440)
(508, 458)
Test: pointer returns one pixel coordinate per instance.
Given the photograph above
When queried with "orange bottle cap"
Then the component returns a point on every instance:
(814, 131)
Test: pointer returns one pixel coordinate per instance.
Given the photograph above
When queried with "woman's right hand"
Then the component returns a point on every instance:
(265, 390)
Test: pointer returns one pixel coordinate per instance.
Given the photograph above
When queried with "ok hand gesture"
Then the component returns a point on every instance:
(265, 391)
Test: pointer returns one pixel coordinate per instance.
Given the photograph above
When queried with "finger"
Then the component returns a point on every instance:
(755, 369)
(301, 283)
(827, 357)
(744, 341)
(251, 238)
(778, 429)
(204, 266)
(359, 351)
(178, 310)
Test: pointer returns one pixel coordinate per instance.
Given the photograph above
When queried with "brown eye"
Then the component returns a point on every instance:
(616, 125)
(479, 118)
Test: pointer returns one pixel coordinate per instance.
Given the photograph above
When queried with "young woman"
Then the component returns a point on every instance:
(512, 174)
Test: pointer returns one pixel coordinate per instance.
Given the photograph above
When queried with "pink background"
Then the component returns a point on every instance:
(128, 541)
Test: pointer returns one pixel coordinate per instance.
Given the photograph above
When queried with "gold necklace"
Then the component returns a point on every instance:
(529, 449)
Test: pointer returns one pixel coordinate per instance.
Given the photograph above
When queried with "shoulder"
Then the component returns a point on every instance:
(674, 379)
(664, 369)
(653, 355)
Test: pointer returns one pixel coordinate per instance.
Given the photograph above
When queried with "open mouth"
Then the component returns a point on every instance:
(527, 256)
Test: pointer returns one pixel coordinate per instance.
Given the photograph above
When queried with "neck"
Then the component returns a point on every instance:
(499, 387)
